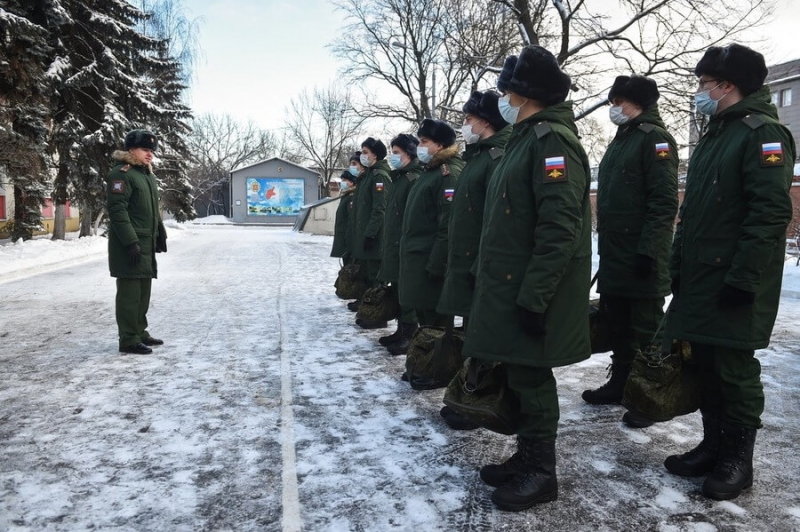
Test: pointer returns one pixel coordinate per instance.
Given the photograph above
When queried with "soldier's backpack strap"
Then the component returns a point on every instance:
(541, 129)
(496, 152)
(647, 127)
(754, 121)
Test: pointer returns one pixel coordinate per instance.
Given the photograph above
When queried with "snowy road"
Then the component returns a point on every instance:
(267, 409)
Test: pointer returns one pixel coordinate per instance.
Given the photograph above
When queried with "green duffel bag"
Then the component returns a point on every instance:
(663, 385)
(434, 357)
(379, 304)
(480, 393)
(351, 282)
(599, 330)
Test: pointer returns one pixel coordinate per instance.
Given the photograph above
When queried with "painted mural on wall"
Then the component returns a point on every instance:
(268, 196)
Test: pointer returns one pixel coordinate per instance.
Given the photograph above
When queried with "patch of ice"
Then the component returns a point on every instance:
(730, 507)
(670, 499)
(603, 466)
(794, 511)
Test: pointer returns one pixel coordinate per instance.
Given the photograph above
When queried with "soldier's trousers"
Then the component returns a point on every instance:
(407, 314)
(432, 318)
(731, 384)
(538, 399)
(633, 324)
(132, 302)
(370, 268)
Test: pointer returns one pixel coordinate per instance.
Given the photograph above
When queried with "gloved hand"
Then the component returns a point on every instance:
(531, 322)
(134, 253)
(734, 297)
(161, 242)
(370, 243)
(644, 266)
(675, 286)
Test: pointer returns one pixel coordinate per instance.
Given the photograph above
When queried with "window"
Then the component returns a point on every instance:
(47, 210)
(786, 97)
(2, 207)
(775, 99)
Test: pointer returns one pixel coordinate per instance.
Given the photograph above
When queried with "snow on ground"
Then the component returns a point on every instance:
(267, 409)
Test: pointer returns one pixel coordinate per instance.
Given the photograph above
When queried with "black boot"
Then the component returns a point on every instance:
(611, 392)
(636, 420)
(371, 324)
(702, 459)
(537, 483)
(496, 475)
(400, 346)
(353, 305)
(136, 349)
(734, 469)
(390, 339)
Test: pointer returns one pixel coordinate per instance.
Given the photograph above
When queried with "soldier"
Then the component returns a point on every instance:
(355, 170)
(370, 205)
(135, 235)
(529, 306)
(423, 245)
(727, 260)
(405, 171)
(485, 134)
(342, 232)
(637, 200)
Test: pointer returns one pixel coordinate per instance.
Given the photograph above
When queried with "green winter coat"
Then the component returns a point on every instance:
(402, 181)
(535, 249)
(370, 205)
(132, 200)
(423, 245)
(637, 200)
(466, 219)
(342, 228)
(732, 227)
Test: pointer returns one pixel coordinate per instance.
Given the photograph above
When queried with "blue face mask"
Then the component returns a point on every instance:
(705, 103)
(423, 155)
(508, 111)
(344, 186)
(395, 161)
(353, 170)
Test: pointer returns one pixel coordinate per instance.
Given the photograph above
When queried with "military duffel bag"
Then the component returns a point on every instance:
(379, 304)
(434, 357)
(351, 282)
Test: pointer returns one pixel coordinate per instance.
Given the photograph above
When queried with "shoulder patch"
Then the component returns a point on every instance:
(662, 151)
(449, 193)
(445, 170)
(125, 168)
(495, 152)
(754, 121)
(771, 154)
(646, 127)
(412, 176)
(378, 186)
(118, 186)
(555, 169)
(541, 129)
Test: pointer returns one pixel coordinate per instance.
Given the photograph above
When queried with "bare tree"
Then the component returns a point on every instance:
(219, 144)
(323, 125)
(407, 43)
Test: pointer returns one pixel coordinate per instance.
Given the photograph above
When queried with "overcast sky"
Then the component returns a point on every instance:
(258, 54)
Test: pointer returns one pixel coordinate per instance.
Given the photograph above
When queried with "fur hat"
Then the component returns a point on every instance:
(356, 157)
(375, 146)
(637, 89)
(407, 143)
(346, 175)
(484, 105)
(536, 75)
(141, 138)
(438, 131)
(505, 74)
(735, 64)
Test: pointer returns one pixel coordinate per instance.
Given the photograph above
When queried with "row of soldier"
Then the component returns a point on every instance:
(501, 236)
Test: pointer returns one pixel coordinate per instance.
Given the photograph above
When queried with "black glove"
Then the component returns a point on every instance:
(675, 286)
(532, 322)
(134, 253)
(370, 243)
(644, 266)
(734, 297)
(161, 242)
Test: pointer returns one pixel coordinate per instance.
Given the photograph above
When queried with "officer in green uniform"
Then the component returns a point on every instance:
(370, 206)
(405, 171)
(423, 244)
(343, 225)
(485, 134)
(356, 170)
(529, 306)
(727, 260)
(637, 200)
(135, 235)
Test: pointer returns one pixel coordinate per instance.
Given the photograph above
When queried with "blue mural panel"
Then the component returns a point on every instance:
(270, 196)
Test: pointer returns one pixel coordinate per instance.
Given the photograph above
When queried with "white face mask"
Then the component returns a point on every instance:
(423, 155)
(365, 162)
(469, 136)
(617, 116)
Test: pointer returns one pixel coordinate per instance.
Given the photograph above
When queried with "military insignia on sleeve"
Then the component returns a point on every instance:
(662, 151)
(125, 168)
(771, 154)
(118, 187)
(555, 169)
(445, 170)
(448, 194)
(378, 187)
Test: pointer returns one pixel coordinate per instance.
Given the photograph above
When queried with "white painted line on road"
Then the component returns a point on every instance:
(291, 495)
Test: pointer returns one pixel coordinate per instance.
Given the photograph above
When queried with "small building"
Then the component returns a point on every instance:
(784, 82)
(271, 192)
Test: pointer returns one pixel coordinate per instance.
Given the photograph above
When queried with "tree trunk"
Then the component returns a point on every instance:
(86, 219)
(59, 222)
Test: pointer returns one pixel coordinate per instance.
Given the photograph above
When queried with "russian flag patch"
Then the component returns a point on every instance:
(662, 151)
(448, 194)
(771, 153)
(555, 169)
(378, 187)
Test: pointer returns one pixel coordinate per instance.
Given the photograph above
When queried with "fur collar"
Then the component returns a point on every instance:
(126, 157)
(443, 155)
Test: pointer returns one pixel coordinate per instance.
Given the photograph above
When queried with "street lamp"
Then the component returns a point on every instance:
(398, 44)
